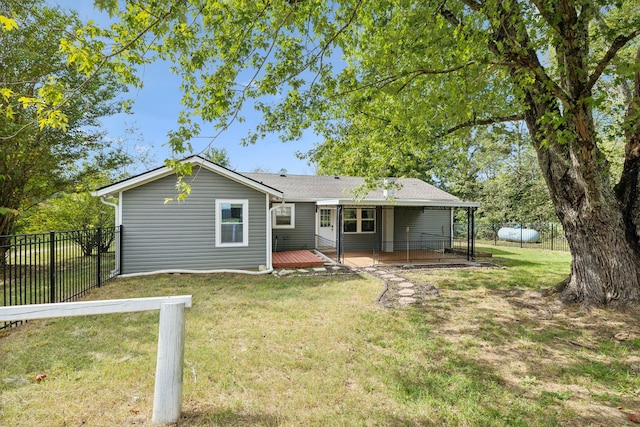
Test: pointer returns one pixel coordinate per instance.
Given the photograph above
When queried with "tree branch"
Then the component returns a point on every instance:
(447, 15)
(548, 17)
(483, 122)
(617, 44)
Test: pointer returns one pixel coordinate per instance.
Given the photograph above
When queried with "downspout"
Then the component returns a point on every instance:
(113, 205)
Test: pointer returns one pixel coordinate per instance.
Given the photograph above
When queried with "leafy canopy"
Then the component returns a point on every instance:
(380, 82)
(49, 130)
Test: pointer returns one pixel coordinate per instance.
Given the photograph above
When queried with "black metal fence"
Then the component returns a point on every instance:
(429, 248)
(548, 236)
(56, 266)
(426, 248)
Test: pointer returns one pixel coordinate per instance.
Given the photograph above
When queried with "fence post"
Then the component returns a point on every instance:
(521, 228)
(167, 396)
(98, 261)
(52, 266)
(552, 229)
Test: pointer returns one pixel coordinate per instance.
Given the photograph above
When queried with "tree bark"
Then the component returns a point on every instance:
(600, 223)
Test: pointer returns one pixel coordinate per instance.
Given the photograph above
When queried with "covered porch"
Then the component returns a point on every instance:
(410, 232)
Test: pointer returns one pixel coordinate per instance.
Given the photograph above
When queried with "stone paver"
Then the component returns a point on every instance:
(285, 272)
(319, 269)
(407, 300)
(406, 292)
(397, 279)
(406, 285)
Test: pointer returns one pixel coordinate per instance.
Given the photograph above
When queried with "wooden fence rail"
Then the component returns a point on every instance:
(168, 387)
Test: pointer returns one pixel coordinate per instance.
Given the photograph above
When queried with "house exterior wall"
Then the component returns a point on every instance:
(181, 235)
(363, 242)
(430, 228)
(300, 237)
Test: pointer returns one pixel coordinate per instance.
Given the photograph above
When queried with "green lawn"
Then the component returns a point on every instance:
(319, 351)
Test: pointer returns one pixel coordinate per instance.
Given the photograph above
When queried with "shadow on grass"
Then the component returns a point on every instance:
(514, 345)
(494, 250)
(228, 417)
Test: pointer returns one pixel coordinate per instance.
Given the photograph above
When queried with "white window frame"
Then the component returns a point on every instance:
(245, 222)
(292, 206)
(358, 221)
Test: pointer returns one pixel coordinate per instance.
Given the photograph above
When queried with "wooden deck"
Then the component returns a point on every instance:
(296, 259)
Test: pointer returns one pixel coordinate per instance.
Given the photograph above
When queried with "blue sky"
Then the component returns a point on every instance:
(155, 112)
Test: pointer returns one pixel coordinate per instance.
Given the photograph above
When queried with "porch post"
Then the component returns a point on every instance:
(468, 233)
(473, 234)
(339, 232)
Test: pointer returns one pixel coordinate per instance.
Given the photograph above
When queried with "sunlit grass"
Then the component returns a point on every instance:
(319, 351)
(522, 269)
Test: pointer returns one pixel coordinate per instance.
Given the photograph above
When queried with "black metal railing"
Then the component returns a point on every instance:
(550, 236)
(323, 244)
(428, 248)
(56, 266)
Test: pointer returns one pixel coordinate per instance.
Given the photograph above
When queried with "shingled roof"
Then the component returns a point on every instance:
(316, 187)
(324, 190)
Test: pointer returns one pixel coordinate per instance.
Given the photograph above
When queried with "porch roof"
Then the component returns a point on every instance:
(328, 190)
(413, 202)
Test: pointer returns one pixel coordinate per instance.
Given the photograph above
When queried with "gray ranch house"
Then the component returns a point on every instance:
(237, 221)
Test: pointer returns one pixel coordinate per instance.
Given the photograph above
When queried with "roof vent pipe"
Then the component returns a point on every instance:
(388, 188)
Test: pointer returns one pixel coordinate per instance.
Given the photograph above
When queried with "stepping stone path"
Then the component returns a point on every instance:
(400, 291)
(314, 271)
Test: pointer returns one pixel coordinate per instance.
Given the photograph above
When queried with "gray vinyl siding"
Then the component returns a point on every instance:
(360, 242)
(300, 237)
(181, 235)
(431, 227)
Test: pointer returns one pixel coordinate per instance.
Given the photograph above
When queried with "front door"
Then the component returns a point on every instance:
(326, 227)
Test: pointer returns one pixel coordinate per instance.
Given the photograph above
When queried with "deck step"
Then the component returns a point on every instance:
(296, 259)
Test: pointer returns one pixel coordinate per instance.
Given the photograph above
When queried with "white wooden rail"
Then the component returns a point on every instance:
(168, 387)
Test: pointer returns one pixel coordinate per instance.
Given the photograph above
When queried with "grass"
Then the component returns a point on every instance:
(273, 351)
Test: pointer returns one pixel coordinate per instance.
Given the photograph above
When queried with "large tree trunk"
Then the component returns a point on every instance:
(599, 223)
(599, 226)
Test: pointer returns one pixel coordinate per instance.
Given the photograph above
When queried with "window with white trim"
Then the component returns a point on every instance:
(284, 216)
(359, 220)
(232, 222)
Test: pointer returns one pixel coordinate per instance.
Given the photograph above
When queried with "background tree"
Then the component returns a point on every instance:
(413, 76)
(77, 212)
(217, 155)
(73, 209)
(39, 158)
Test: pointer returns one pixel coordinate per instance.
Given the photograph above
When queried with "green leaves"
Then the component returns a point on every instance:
(49, 130)
(7, 23)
